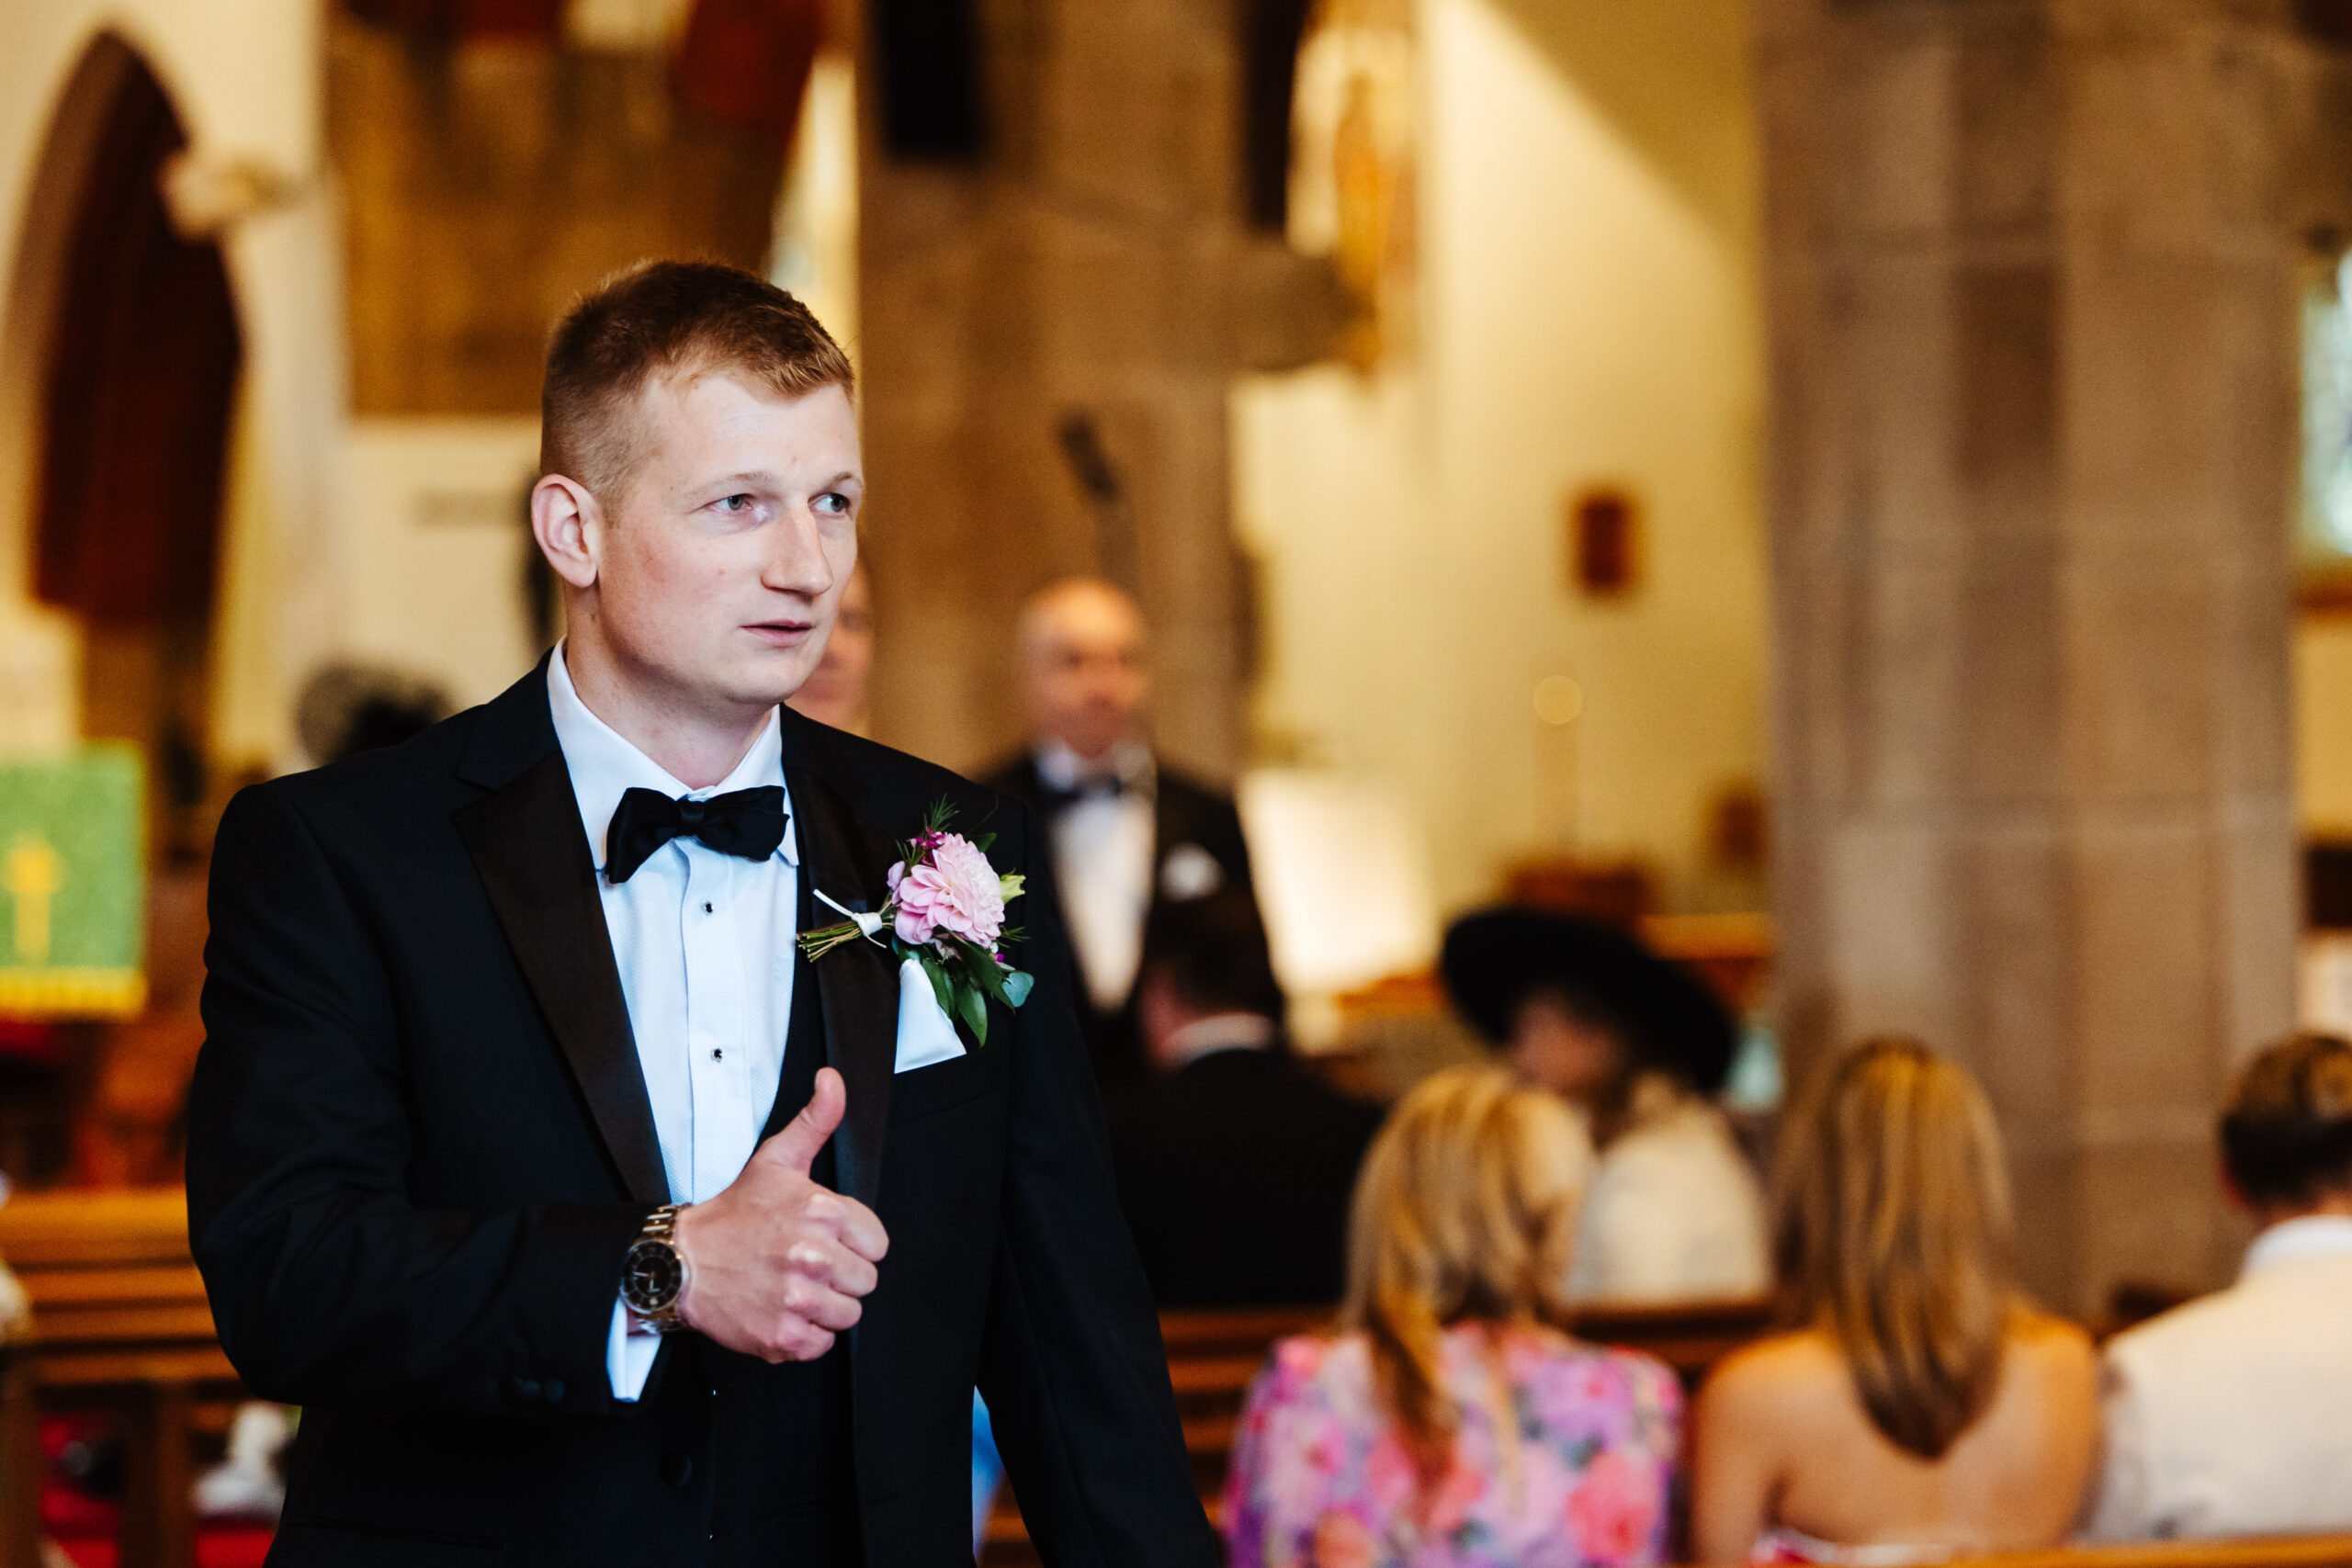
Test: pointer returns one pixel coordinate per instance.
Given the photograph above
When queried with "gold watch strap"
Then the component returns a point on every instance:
(661, 1225)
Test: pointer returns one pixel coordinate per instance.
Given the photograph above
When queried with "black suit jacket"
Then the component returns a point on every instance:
(1236, 1173)
(1184, 811)
(420, 1143)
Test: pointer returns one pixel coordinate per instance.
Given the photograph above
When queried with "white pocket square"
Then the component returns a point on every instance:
(925, 1037)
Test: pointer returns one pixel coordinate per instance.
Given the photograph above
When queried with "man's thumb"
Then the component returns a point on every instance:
(797, 1145)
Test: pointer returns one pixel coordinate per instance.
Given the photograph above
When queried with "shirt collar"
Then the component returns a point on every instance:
(1219, 1031)
(2309, 1235)
(1064, 769)
(604, 764)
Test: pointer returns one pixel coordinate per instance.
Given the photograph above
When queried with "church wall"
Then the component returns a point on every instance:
(244, 77)
(1589, 316)
(2323, 726)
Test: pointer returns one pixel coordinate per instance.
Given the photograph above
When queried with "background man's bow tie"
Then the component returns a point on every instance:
(1100, 786)
(746, 822)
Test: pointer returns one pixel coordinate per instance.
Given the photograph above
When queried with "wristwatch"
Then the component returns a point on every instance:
(654, 1274)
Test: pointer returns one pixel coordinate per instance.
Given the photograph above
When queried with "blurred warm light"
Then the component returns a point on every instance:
(1558, 700)
(1343, 878)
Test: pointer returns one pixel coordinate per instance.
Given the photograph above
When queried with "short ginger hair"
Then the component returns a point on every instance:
(667, 319)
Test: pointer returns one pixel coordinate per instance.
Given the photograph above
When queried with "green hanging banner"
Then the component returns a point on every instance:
(73, 885)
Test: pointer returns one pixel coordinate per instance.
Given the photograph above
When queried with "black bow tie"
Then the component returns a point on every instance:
(746, 822)
(1101, 786)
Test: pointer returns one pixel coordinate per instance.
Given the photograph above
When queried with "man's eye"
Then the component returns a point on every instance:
(833, 503)
(735, 505)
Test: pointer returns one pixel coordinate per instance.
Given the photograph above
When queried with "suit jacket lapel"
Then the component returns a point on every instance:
(857, 984)
(527, 842)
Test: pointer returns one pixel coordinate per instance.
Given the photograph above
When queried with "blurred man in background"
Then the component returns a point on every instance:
(836, 692)
(1234, 1162)
(1128, 833)
(2227, 1417)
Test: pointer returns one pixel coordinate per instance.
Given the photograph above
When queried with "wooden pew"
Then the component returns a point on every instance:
(1212, 1356)
(1690, 1337)
(2263, 1552)
(120, 1323)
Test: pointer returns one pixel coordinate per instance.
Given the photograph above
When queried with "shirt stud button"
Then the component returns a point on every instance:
(719, 1055)
(706, 908)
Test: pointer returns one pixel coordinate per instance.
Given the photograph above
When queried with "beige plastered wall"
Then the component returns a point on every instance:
(245, 75)
(1590, 315)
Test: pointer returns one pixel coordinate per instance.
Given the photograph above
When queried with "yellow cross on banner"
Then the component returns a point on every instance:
(35, 871)
(72, 884)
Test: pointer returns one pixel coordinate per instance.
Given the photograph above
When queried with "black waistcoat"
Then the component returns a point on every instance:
(783, 1491)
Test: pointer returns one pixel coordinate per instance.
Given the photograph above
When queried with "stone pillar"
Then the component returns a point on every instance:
(2031, 300)
(1093, 268)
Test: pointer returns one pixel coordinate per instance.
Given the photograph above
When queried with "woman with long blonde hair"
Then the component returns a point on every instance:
(1451, 1423)
(1921, 1407)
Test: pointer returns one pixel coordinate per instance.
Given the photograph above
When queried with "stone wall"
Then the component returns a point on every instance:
(2030, 281)
(1092, 267)
(488, 184)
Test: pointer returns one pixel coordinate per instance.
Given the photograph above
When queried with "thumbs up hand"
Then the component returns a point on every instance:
(777, 1265)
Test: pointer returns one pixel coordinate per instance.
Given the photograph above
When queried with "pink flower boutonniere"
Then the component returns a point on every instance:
(945, 911)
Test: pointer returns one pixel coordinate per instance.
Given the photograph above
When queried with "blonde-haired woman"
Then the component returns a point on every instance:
(1451, 1424)
(1922, 1408)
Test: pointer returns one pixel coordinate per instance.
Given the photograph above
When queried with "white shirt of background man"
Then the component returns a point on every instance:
(1102, 848)
(704, 942)
(2233, 1415)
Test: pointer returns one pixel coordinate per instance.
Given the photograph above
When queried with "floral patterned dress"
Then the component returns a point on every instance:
(1564, 1458)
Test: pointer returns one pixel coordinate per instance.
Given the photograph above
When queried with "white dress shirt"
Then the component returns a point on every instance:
(1103, 847)
(2233, 1416)
(704, 942)
(1674, 1211)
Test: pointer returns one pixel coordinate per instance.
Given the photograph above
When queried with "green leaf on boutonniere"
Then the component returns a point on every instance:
(1016, 987)
(941, 986)
(983, 970)
(975, 1011)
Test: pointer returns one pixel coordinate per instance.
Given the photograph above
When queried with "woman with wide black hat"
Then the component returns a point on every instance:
(1641, 1045)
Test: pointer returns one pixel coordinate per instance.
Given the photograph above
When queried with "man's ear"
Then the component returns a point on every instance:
(565, 519)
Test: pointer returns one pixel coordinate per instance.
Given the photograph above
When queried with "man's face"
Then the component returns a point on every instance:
(1084, 674)
(719, 570)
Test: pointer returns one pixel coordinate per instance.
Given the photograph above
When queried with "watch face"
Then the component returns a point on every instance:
(652, 1277)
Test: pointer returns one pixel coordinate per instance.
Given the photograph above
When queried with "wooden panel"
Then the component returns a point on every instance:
(119, 1322)
(1690, 1337)
(63, 1289)
(2271, 1551)
(96, 1372)
(42, 1230)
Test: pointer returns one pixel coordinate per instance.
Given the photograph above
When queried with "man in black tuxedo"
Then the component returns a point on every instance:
(1235, 1163)
(1128, 833)
(498, 1019)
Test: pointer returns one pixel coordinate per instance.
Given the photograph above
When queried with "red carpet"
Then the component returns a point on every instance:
(232, 1546)
(84, 1525)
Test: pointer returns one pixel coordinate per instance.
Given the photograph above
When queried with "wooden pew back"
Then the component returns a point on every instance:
(1213, 1354)
(2268, 1552)
(119, 1322)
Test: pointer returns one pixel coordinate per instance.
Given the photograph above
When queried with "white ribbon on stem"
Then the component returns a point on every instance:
(871, 924)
